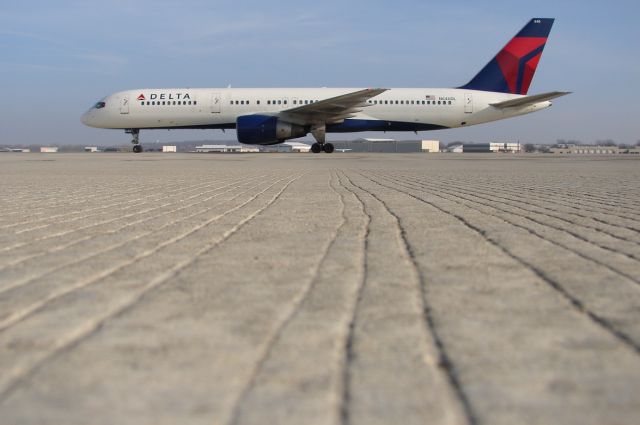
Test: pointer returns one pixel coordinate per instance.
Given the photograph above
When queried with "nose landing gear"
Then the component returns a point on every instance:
(137, 147)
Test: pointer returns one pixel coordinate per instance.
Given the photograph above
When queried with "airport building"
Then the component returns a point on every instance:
(594, 150)
(226, 149)
(298, 147)
(15, 150)
(379, 145)
(49, 149)
(91, 149)
(493, 147)
(455, 148)
(430, 146)
(168, 149)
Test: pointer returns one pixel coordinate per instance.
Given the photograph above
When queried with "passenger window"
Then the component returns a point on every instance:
(257, 102)
(449, 102)
(268, 102)
(285, 102)
(279, 102)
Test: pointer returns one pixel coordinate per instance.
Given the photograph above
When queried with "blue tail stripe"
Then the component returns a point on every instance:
(521, 66)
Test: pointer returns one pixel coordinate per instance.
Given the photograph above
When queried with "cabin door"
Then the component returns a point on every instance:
(216, 102)
(468, 103)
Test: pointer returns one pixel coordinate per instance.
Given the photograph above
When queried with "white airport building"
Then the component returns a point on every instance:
(226, 149)
(431, 146)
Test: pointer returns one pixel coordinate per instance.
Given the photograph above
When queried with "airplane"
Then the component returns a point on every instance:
(266, 116)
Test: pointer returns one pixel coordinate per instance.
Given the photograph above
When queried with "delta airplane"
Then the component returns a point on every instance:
(265, 116)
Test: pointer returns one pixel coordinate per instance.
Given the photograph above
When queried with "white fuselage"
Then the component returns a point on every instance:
(406, 109)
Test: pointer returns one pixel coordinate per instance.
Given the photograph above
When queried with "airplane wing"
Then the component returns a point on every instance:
(529, 100)
(333, 110)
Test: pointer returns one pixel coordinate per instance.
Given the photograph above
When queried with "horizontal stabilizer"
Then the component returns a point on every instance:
(529, 100)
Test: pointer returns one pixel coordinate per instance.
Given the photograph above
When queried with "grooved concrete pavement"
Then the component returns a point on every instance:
(319, 289)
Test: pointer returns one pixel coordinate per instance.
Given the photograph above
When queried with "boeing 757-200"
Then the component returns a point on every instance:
(265, 116)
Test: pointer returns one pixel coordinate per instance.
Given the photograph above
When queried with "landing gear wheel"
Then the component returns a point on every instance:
(328, 147)
(316, 148)
(137, 148)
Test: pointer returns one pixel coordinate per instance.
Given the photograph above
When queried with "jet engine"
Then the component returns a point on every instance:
(266, 130)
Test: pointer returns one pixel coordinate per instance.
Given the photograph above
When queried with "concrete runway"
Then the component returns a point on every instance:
(319, 289)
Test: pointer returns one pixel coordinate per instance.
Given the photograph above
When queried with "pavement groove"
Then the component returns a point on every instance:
(556, 196)
(291, 311)
(13, 300)
(140, 203)
(335, 289)
(611, 296)
(546, 201)
(563, 321)
(624, 232)
(146, 220)
(18, 375)
(101, 240)
(624, 266)
(114, 193)
(474, 224)
(41, 248)
(551, 199)
(447, 402)
(528, 208)
(620, 245)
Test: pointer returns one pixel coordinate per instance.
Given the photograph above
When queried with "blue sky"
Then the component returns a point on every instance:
(59, 57)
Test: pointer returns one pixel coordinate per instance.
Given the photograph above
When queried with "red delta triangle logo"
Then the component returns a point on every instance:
(141, 97)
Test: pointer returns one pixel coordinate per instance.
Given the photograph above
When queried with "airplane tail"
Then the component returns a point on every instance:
(512, 69)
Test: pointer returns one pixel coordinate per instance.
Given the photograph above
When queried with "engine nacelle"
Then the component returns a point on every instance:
(266, 130)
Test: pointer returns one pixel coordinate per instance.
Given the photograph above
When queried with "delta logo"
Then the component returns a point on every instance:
(165, 96)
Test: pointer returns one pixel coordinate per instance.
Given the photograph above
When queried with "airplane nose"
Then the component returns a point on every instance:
(86, 118)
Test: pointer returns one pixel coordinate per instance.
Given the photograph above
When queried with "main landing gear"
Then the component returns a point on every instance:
(137, 147)
(319, 133)
(319, 147)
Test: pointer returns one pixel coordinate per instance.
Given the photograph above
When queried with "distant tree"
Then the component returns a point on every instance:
(454, 143)
(638, 142)
(624, 146)
(574, 142)
(529, 147)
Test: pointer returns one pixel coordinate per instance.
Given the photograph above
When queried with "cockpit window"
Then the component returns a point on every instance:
(100, 105)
